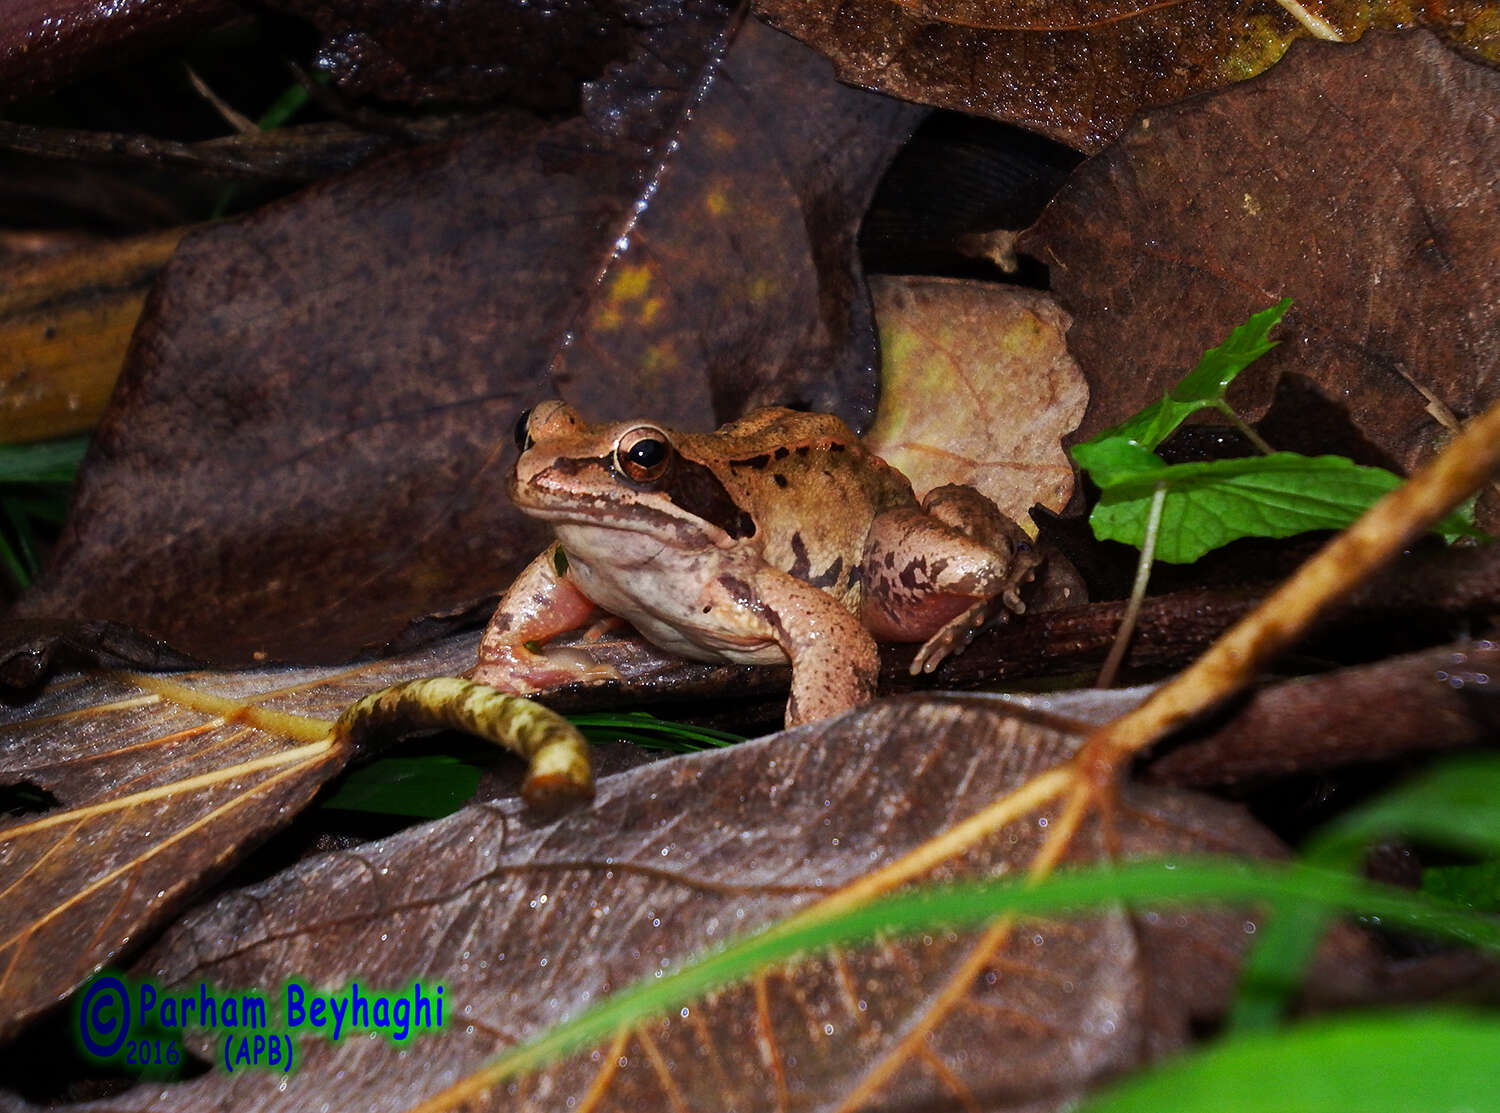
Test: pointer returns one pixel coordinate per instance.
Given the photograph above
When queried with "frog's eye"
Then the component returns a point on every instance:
(643, 454)
(522, 434)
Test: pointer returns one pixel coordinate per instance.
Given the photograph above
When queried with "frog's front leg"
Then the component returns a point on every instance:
(539, 605)
(936, 575)
(834, 660)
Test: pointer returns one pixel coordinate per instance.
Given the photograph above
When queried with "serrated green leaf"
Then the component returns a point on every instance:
(1114, 461)
(1394, 1063)
(1206, 383)
(1203, 387)
(1214, 502)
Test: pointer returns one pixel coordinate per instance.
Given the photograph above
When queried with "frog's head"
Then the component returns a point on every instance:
(630, 476)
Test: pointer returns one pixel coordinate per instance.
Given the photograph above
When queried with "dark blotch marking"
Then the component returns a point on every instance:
(697, 490)
(915, 574)
(801, 565)
(837, 446)
(756, 462)
(802, 450)
(780, 479)
(830, 577)
(782, 453)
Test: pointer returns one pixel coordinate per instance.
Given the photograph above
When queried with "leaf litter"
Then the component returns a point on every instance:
(881, 787)
(331, 381)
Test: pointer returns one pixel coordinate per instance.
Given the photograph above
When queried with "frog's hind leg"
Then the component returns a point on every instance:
(936, 575)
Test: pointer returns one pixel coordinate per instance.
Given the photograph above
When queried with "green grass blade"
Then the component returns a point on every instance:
(1437, 1062)
(1141, 883)
(43, 462)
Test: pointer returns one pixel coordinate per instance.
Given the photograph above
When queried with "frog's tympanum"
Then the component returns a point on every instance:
(777, 537)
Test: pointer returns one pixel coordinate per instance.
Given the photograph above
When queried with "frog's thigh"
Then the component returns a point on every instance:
(834, 659)
(923, 574)
(539, 605)
(974, 515)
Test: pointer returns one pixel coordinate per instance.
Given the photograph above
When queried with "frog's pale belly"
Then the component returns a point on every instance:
(662, 594)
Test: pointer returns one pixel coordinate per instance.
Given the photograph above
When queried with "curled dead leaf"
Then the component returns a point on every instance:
(976, 387)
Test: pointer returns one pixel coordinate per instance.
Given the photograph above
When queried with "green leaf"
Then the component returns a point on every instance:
(1451, 806)
(644, 729)
(1392, 1063)
(1203, 387)
(1114, 461)
(424, 787)
(44, 462)
(1212, 503)
(1476, 887)
(1454, 806)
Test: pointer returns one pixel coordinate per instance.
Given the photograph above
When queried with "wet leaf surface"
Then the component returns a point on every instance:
(1078, 71)
(146, 798)
(45, 43)
(1356, 180)
(133, 792)
(329, 385)
(996, 360)
(523, 924)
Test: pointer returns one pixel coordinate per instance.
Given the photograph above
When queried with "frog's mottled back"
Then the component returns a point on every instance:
(814, 489)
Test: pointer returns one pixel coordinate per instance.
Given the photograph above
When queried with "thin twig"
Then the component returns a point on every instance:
(1137, 591)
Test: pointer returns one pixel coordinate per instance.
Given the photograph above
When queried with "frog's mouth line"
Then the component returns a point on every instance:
(676, 531)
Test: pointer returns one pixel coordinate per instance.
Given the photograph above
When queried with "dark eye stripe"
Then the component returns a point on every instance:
(697, 490)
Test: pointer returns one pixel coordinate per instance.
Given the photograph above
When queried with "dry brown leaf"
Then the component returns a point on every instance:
(976, 387)
(65, 322)
(1078, 70)
(308, 446)
(157, 784)
(523, 925)
(1357, 180)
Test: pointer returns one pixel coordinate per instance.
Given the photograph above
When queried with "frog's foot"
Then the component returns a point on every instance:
(522, 672)
(960, 630)
(606, 624)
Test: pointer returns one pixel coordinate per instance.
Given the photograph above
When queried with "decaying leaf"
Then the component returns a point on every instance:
(508, 50)
(1078, 71)
(1359, 181)
(308, 446)
(977, 387)
(523, 925)
(739, 286)
(46, 43)
(152, 785)
(65, 322)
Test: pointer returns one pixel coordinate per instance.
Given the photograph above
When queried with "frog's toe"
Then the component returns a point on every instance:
(951, 639)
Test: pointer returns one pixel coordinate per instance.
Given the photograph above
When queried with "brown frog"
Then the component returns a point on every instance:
(777, 537)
